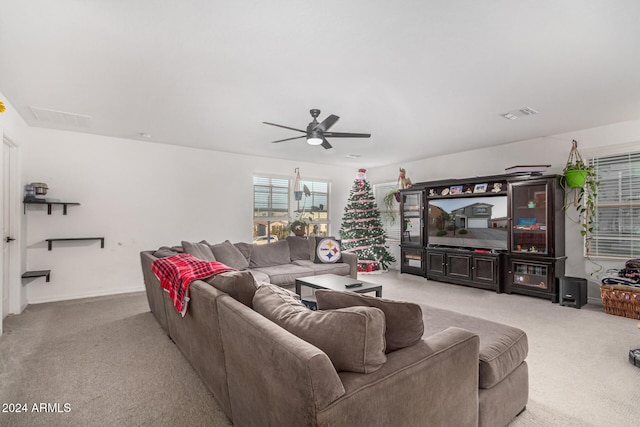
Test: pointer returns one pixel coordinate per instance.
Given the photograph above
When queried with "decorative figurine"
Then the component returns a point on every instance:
(403, 181)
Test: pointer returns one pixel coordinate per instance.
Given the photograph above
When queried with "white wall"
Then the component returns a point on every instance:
(139, 195)
(553, 150)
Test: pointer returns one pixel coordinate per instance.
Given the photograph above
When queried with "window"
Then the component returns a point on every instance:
(480, 210)
(274, 207)
(270, 209)
(314, 207)
(390, 217)
(616, 231)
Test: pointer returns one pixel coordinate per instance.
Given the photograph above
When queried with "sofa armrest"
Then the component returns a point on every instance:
(155, 293)
(434, 382)
(352, 260)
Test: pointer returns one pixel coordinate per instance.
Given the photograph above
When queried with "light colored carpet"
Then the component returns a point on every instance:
(579, 373)
(108, 358)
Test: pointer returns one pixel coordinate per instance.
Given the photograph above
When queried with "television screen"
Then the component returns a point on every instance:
(473, 222)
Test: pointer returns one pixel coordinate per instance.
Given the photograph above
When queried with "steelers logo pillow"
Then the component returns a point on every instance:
(327, 250)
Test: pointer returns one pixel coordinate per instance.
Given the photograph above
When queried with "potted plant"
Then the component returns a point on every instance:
(298, 227)
(580, 178)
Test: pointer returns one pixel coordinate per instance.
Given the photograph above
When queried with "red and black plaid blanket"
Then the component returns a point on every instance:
(177, 272)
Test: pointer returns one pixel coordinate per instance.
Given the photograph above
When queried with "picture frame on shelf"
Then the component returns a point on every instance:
(540, 198)
(480, 188)
(455, 189)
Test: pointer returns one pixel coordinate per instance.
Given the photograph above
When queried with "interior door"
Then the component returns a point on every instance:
(6, 227)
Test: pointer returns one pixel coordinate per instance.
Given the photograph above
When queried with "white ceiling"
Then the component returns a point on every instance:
(423, 77)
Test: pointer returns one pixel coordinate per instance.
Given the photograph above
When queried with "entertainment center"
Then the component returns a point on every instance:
(502, 232)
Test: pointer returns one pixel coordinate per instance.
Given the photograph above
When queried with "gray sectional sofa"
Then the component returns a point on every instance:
(358, 361)
(279, 263)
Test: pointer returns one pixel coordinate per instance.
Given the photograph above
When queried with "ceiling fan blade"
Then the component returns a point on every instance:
(285, 127)
(327, 123)
(347, 135)
(325, 143)
(289, 139)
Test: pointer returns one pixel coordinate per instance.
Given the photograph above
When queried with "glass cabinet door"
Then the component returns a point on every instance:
(530, 274)
(412, 205)
(530, 216)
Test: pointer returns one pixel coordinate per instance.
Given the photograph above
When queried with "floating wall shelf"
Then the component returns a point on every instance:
(44, 202)
(50, 241)
(37, 273)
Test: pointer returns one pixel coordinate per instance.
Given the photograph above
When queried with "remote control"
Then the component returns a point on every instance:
(353, 285)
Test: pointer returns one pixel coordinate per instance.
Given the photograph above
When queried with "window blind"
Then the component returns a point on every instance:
(270, 198)
(616, 231)
(318, 202)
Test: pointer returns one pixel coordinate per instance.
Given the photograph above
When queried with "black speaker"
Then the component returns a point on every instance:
(573, 292)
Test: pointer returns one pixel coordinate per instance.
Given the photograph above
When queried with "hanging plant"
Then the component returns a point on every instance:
(390, 207)
(580, 179)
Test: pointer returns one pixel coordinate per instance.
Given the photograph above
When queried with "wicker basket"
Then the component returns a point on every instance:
(621, 300)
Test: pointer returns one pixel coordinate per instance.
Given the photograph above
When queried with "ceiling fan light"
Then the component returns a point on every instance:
(314, 138)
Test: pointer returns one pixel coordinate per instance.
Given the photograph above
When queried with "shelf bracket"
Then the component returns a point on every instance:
(37, 273)
(50, 241)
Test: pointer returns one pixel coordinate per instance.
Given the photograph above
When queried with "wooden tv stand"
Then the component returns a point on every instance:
(465, 267)
(530, 262)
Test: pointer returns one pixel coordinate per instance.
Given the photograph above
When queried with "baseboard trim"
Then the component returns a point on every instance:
(594, 300)
(88, 295)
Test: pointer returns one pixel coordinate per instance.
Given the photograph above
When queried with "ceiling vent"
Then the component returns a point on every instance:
(522, 112)
(528, 111)
(61, 118)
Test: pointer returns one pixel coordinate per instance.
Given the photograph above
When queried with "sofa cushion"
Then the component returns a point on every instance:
(502, 348)
(299, 247)
(165, 252)
(404, 324)
(353, 337)
(275, 253)
(284, 274)
(240, 285)
(229, 255)
(199, 250)
(341, 269)
(245, 249)
(260, 277)
(327, 250)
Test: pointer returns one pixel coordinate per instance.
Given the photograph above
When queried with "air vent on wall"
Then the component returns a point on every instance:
(61, 118)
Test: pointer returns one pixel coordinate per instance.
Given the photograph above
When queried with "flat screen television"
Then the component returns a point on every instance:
(473, 222)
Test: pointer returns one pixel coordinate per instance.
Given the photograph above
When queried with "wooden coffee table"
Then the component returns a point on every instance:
(336, 283)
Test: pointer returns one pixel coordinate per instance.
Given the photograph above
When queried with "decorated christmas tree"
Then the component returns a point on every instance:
(361, 230)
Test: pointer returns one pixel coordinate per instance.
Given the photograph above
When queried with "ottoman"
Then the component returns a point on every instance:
(504, 379)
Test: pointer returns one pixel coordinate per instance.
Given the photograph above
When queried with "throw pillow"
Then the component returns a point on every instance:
(327, 250)
(240, 285)
(199, 250)
(276, 253)
(164, 252)
(229, 255)
(299, 248)
(352, 338)
(405, 326)
(245, 249)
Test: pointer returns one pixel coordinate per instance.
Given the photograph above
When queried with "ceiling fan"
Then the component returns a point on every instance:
(317, 134)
